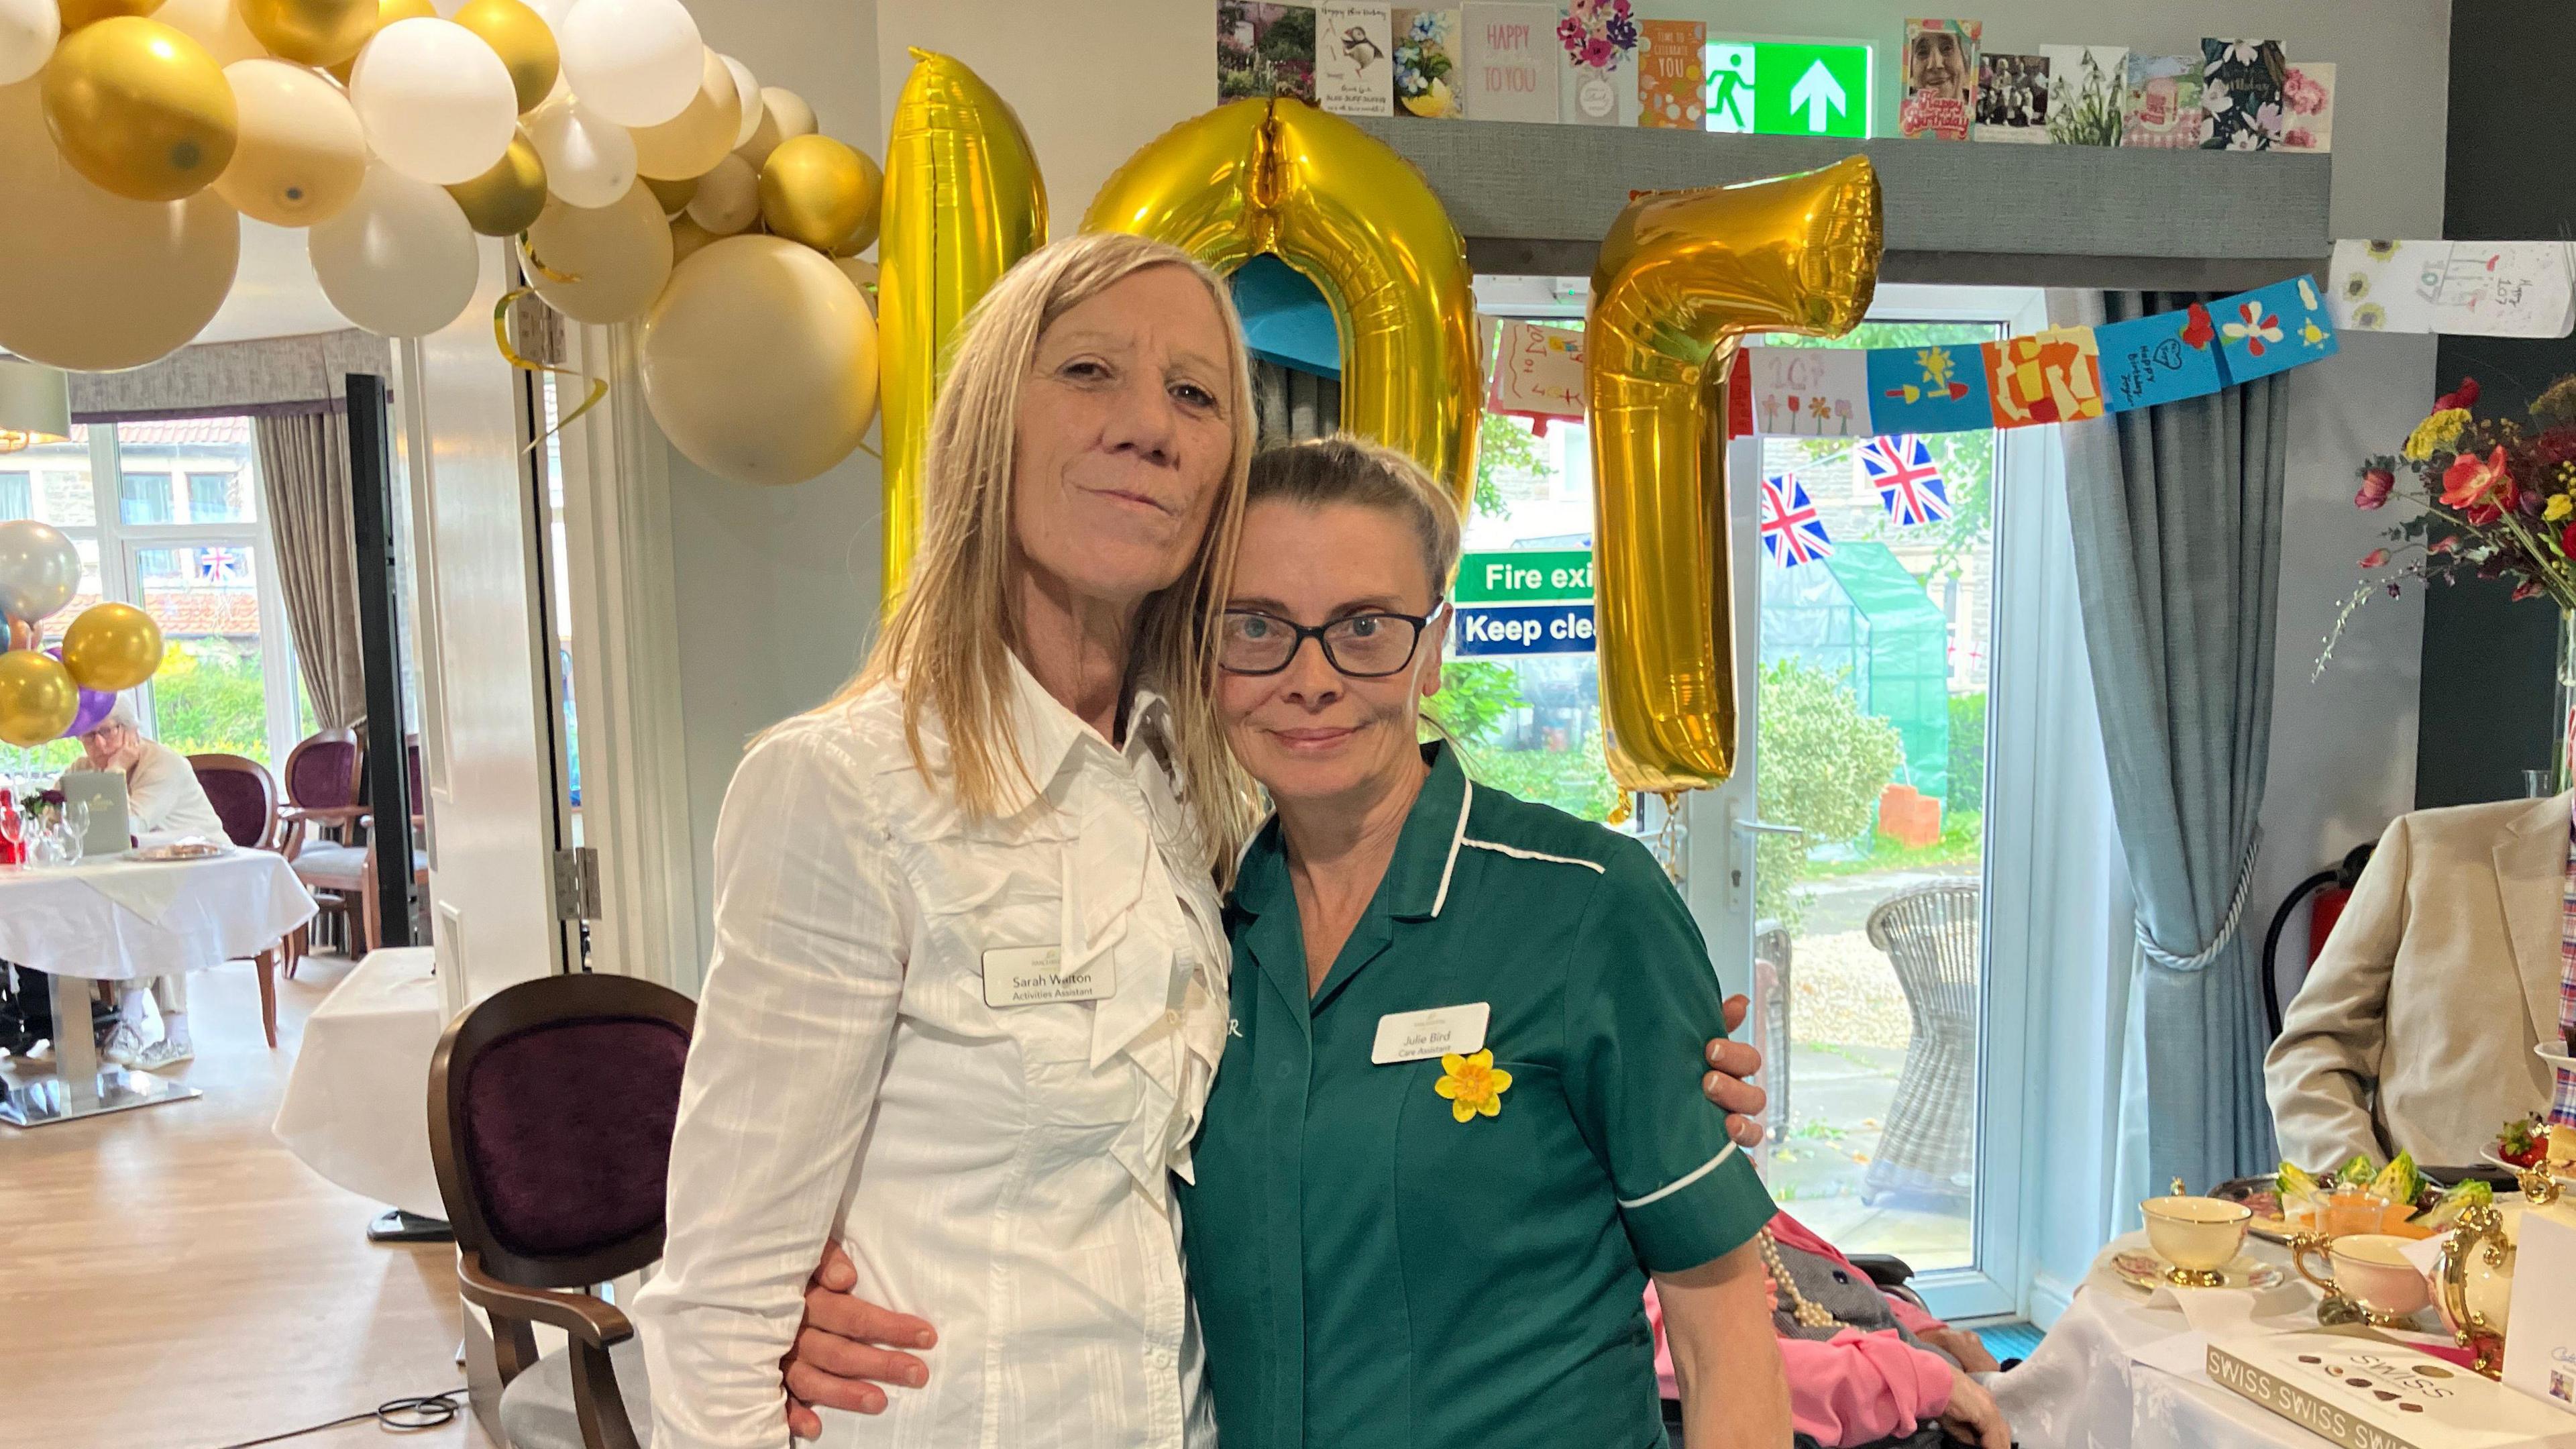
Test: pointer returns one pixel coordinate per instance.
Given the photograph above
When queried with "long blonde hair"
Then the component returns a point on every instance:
(948, 644)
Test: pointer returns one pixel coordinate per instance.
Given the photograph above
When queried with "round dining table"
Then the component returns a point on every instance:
(123, 918)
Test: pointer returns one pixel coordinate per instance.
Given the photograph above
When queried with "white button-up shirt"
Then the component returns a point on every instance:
(1001, 1171)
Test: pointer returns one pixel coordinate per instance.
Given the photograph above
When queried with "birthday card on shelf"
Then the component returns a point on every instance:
(1508, 61)
(1264, 50)
(2012, 98)
(1672, 74)
(2086, 84)
(2309, 94)
(2162, 106)
(1940, 79)
(1426, 63)
(1355, 60)
(2241, 86)
(1599, 78)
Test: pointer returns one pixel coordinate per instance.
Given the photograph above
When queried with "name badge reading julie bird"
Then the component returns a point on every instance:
(1034, 976)
(1413, 1036)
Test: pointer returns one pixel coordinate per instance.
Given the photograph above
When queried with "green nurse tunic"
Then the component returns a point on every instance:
(1451, 1249)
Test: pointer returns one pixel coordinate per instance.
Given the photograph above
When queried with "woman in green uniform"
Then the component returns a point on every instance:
(1446, 1149)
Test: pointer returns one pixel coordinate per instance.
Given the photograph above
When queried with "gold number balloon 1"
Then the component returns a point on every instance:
(1280, 176)
(37, 698)
(1682, 277)
(963, 201)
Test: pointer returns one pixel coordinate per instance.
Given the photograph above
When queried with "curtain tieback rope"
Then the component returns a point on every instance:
(2227, 926)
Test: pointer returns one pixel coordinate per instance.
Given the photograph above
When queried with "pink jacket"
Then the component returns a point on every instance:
(1854, 1388)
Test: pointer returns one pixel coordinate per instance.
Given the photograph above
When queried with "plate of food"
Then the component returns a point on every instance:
(180, 850)
(2358, 1197)
(2524, 1142)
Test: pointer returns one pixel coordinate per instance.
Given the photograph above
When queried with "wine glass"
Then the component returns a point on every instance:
(68, 843)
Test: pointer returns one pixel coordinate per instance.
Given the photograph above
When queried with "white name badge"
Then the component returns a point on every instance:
(1411, 1036)
(1035, 976)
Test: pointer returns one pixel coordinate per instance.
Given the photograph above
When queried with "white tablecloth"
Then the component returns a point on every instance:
(117, 920)
(356, 1108)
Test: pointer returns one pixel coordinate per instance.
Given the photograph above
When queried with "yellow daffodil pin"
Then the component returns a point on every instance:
(1473, 1085)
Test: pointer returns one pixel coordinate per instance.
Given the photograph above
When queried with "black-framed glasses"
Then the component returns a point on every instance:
(1362, 646)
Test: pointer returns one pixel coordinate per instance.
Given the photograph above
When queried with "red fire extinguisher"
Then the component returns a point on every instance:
(2332, 889)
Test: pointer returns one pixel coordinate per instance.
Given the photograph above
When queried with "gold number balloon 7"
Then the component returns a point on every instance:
(1683, 276)
(1280, 176)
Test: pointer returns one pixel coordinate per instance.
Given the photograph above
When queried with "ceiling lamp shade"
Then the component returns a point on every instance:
(35, 405)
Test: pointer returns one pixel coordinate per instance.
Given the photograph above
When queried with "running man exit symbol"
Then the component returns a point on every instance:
(1730, 88)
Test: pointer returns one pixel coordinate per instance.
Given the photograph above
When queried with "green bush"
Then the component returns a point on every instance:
(1475, 696)
(209, 698)
(1822, 763)
(1967, 753)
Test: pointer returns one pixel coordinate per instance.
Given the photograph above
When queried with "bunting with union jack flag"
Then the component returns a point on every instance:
(1793, 532)
(1908, 481)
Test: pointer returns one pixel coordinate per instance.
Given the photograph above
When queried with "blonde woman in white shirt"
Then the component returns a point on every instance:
(970, 978)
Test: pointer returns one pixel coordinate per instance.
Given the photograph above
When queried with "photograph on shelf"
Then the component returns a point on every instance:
(1599, 40)
(2241, 86)
(1426, 62)
(2012, 98)
(1508, 59)
(1264, 50)
(1940, 79)
(2309, 96)
(2086, 84)
(1672, 74)
(2162, 107)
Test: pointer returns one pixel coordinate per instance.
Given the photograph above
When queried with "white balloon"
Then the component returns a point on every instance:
(400, 260)
(215, 24)
(728, 197)
(745, 86)
(590, 160)
(795, 117)
(438, 103)
(39, 569)
(28, 30)
(636, 62)
(553, 10)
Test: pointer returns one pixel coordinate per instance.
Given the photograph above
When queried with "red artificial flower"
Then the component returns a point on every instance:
(2567, 539)
(2374, 558)
(2448, 543)
(2376, 485)
(2524, 590)
(2472, 482)
(2465, 397)
(2482, 515)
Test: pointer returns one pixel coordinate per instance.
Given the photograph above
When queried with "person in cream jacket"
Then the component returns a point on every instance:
(2415, 1028)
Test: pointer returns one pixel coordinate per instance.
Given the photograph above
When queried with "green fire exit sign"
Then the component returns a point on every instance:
(1789, 88)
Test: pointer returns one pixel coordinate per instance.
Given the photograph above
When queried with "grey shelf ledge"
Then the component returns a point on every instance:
(1535, 199)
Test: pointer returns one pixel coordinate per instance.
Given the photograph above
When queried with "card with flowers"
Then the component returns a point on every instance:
(1940, 78)
(1600, 42)
(2085, 83)
(2241, 86)
(2273, 329)
(1265, 50)
(1426, 60)
(2309, 94)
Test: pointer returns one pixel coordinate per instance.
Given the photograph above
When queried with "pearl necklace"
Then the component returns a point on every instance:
(1805, 1311)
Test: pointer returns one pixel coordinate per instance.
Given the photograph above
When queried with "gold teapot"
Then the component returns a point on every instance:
(2473, 1278)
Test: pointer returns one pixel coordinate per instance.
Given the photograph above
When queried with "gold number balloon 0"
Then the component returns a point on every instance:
(1682, 277)
(1256, 176)
(963, 200)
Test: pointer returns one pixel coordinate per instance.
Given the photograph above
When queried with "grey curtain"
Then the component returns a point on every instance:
(304, 474)
(2176, 512)
(1294, 404)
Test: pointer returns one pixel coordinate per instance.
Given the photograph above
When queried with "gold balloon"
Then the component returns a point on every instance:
(866, 235)
(521, 38)
(111, 647)
(604, 264)
(387, 12)
(509, 198)
(37, 698)
(687, 239)
(963, 201)
(1683, 276)
(77, 13)
(312, 32)
(759, 363)
(818, 191)
(674, 195)
(1282, 177)
(692, 142)
(303, 151)
(140, 109)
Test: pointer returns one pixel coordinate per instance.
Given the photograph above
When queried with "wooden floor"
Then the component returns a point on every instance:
(172, 1278)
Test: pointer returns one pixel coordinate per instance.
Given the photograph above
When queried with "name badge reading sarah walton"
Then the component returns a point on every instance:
(1412, 1036)
(1034, 976)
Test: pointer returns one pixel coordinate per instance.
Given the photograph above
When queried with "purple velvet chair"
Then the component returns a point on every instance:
(322, 812)
(551, 1107)
(245, 799)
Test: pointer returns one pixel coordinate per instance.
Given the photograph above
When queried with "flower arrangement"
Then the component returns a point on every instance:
(1422, 65)
(1597, 33)
(2493, 498)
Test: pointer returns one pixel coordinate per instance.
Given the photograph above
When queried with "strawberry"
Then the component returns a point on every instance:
(2524, 1142)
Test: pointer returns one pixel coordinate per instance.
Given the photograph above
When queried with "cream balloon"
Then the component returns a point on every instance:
(439, 105)
(728, 197)
(687, 237)
(28, 30)
(863, 275)
(694, 140)
(94, 282)
(400, 259)
(764, 138)
(215, 24)
(760, 361)
(637, 62)
(746, 88)
(302, 154)
(590, 160)
(795, 118)
(616, 257)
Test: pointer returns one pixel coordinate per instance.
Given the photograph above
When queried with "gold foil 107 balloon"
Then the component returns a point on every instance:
(1334, 202)
(312, 32)
(37, 698)
(110, 647)
(141, 109)
(1682, 277)
(963, 201)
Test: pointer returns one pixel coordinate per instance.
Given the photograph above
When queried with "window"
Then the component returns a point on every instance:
(17, 496)
(215, 498)
(144, 498)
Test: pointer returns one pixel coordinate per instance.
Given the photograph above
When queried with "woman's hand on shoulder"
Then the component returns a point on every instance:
(846, 1347)
(1729, 1083)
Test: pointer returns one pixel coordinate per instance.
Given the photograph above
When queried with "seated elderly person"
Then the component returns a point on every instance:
(2414, 1031)
(163, 803)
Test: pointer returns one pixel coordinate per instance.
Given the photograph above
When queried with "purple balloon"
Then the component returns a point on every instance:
(94, 705)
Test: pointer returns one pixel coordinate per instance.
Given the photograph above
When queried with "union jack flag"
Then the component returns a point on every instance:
(221, 566)
(1908, 483)
(1792, 532)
